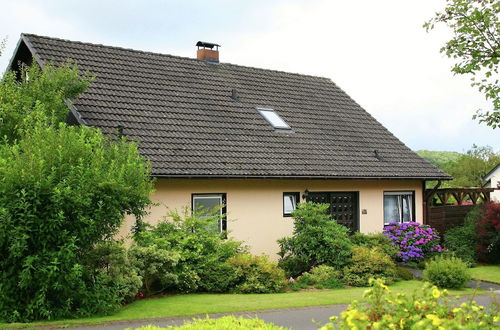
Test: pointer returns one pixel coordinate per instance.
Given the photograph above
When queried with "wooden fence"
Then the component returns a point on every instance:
(446, 208)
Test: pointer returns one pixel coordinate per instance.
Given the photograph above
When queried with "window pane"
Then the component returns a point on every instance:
(406, 207)
(273, 118)
(289, 203)
(206, 204)
(391, 209)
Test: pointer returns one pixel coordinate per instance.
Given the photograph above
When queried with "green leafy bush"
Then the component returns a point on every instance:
(256, 274)
(184, 253)
(427, 308)
(404, 273)
(375, 240)
(367, 263)
(320, 277)
(317, 239)
(41, 99)
(111, 258)
(62, 191)
(224, 323)
(447, 272)
(462, 240)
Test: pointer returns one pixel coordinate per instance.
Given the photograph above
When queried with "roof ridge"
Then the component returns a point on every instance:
(172, 56)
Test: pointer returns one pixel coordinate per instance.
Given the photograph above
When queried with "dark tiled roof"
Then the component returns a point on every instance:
(181, 112)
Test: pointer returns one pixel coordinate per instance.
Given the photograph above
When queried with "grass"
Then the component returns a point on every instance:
(486, 273)
(191, 304)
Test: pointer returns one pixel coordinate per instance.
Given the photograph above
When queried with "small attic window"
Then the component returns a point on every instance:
(273, 118)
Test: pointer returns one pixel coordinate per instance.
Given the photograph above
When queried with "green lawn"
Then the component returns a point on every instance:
(190, 304)
(486, 273)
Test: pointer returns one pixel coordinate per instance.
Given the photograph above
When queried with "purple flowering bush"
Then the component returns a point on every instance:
(414, 240)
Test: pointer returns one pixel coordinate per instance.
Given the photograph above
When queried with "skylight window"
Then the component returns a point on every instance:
(273, 118)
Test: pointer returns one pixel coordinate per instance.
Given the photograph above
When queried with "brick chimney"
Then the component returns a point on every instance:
(206, 52)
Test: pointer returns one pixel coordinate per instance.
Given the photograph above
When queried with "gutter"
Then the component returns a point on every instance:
(294, 177)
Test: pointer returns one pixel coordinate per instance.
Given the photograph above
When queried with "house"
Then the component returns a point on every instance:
(492, 180)
(256, 141)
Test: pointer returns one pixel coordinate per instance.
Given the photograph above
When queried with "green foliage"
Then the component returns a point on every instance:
(256, 274)
(427, 308)
(439, 158)
(112, 259)
(39, 98)
(468, 169)
(62, 191)
(447, 272)
(475, 46)
(369, 263)
(317, 239)
(321, 277)
(462, 240)
(404, 273)
(375, 240)
(185, 254)
(223, 323)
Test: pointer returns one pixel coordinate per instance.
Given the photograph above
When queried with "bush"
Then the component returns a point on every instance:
(462, 240)
(256, 274)
(317, 239)
(375, 240)
(427, 308)
(320, 277)
(111, 259)
(415, 241)
(404, 274)
(224, 323)
(184, 254)
(62, 191)
(488, 233)
(447, 272)
(367, 263)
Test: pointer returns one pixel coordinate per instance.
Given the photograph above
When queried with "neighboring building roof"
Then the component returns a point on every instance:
(188, 122)
(488, 176)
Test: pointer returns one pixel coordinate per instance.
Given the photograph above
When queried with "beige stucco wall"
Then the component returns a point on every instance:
(255, 206)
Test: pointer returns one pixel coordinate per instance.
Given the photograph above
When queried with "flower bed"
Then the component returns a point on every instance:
(415, 241)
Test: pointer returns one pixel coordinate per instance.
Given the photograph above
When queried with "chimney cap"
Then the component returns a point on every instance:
(207, 44)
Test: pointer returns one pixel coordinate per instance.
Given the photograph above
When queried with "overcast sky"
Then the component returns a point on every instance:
(376, 51)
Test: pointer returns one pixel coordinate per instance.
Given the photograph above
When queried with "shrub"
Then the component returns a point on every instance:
(184, 254)
(415, 241)
(367, 263)
(224, 323)
(427, 308)
(404, 274)
(447, 272)
(317, 239)
(375, 240)
(321, 277)
(111, 259)
(62, 191)
(488, 233)
(256, 274)
(462, 240)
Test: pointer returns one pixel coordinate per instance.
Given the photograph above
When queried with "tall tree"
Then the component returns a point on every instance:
(475, 46)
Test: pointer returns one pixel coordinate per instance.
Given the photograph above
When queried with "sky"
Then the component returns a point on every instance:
(376, 51)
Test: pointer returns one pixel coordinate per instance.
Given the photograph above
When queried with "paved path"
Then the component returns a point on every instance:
(300, 318)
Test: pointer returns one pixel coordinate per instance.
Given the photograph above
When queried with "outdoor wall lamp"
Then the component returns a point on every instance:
(305, 196)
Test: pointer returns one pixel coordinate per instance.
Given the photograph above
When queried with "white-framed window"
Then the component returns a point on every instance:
(273, 118)
(205, 204)
(290, 201)
(399, 206)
